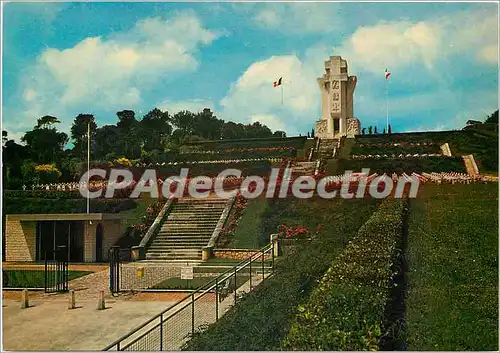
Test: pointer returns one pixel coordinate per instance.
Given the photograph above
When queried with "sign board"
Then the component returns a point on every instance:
(186, 272)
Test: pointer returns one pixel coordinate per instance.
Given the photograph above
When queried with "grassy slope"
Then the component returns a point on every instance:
(34, 278)
(133, 216)
(452, 301)
(262, 319)
(248, 232)
(482, 144)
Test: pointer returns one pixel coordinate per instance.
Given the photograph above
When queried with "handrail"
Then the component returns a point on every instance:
(261, 252)
(222, 220)
(156, 223)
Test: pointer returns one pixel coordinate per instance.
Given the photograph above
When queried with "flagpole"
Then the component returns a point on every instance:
(88, 167)
(387, 104)
(282, 93)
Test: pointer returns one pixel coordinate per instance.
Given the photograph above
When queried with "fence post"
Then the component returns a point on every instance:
(235, 286)
(161, 332)
(262, 264)
(251, 260)
(45, 272)
(192, 313)
(216, 299)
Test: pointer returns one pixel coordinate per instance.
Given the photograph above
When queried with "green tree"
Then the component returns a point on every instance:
(44, 141)
(79, 131)
(493, 118)
(107, 141)
(154, 130)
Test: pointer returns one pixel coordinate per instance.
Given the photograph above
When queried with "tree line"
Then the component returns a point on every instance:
(157, 133)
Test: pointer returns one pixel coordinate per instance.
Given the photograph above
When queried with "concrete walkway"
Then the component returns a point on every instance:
(49, 325)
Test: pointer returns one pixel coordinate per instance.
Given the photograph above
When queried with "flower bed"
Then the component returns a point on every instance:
(227, 232)
(346, 310)
(299, 232)
(296, 142)
(147, 220)
(15, 205)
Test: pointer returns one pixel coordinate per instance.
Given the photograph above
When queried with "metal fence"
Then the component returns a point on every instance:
(171, 328)
(52, 275)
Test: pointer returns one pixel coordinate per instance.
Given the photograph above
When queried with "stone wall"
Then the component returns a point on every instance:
(238, 254)
(112, 232)
(20, 240)
(321, 130)
(353, 127)
(89, 241)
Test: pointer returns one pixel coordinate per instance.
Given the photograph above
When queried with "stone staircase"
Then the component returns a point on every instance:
(303, 168)
(187, 229)
(327, 147)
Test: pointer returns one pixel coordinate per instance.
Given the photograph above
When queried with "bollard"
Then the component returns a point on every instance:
(24, 299)
(71, 304)
(101, 305)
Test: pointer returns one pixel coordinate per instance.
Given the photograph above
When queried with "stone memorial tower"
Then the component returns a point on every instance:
(337, 90)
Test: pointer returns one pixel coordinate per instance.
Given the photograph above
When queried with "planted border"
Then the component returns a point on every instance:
(262, 319)
(347, 309)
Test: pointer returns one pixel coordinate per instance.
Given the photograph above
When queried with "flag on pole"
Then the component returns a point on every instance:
(278, 82)
(387, 74)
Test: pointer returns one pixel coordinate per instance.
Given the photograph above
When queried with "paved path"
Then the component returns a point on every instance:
(48, 325)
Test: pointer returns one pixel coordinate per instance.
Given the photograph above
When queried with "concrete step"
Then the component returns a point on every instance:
(165, 248)
(172, 257)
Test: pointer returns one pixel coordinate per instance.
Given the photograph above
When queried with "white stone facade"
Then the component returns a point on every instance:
(337, 90)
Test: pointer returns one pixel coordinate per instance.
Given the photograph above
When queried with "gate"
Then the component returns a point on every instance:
(114, 269)
(56, 270)
(116, 257)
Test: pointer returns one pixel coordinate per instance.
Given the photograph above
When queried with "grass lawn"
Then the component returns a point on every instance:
(33, 278)
(248, 232)
(452, 298)
(177, 283)
(133, 216)
(263, 317)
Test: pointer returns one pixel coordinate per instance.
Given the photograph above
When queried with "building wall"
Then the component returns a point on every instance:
(112, 231)
(20, 240)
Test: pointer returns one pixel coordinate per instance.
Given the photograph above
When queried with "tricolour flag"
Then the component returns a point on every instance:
(387, 74)
(278, 82)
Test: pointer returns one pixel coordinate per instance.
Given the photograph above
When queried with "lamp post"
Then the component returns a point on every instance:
(88, 167)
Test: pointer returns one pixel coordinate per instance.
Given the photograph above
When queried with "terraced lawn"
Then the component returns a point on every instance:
(262, 319)
(452, 300)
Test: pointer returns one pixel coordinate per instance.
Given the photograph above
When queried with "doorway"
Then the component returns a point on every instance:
(98, 243)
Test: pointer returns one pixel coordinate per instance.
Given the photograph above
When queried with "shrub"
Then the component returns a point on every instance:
(47, 173)
(262, 318)
(346, 310)
(15, 205)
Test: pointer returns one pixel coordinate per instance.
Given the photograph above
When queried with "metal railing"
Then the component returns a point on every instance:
(173, 327)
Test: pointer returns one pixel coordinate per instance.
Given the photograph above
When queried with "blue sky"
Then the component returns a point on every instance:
(63, 59)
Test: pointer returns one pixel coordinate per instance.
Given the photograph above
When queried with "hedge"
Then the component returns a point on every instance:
(17, 205)
(42, 194)
(261, 320)
(297, 142)
(483, 144)
(347, 309)
(408, 165)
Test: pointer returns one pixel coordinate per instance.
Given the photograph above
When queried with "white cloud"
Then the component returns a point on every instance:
(299, 18)
(271, 121)
(397, 44)
(111, 71)
(193, 105)
(253, 94)
(489, 54)
(29, 94)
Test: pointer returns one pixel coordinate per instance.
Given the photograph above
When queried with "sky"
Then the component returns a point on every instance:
(62, 59)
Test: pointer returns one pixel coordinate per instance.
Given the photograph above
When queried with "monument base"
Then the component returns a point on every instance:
(353, 127)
